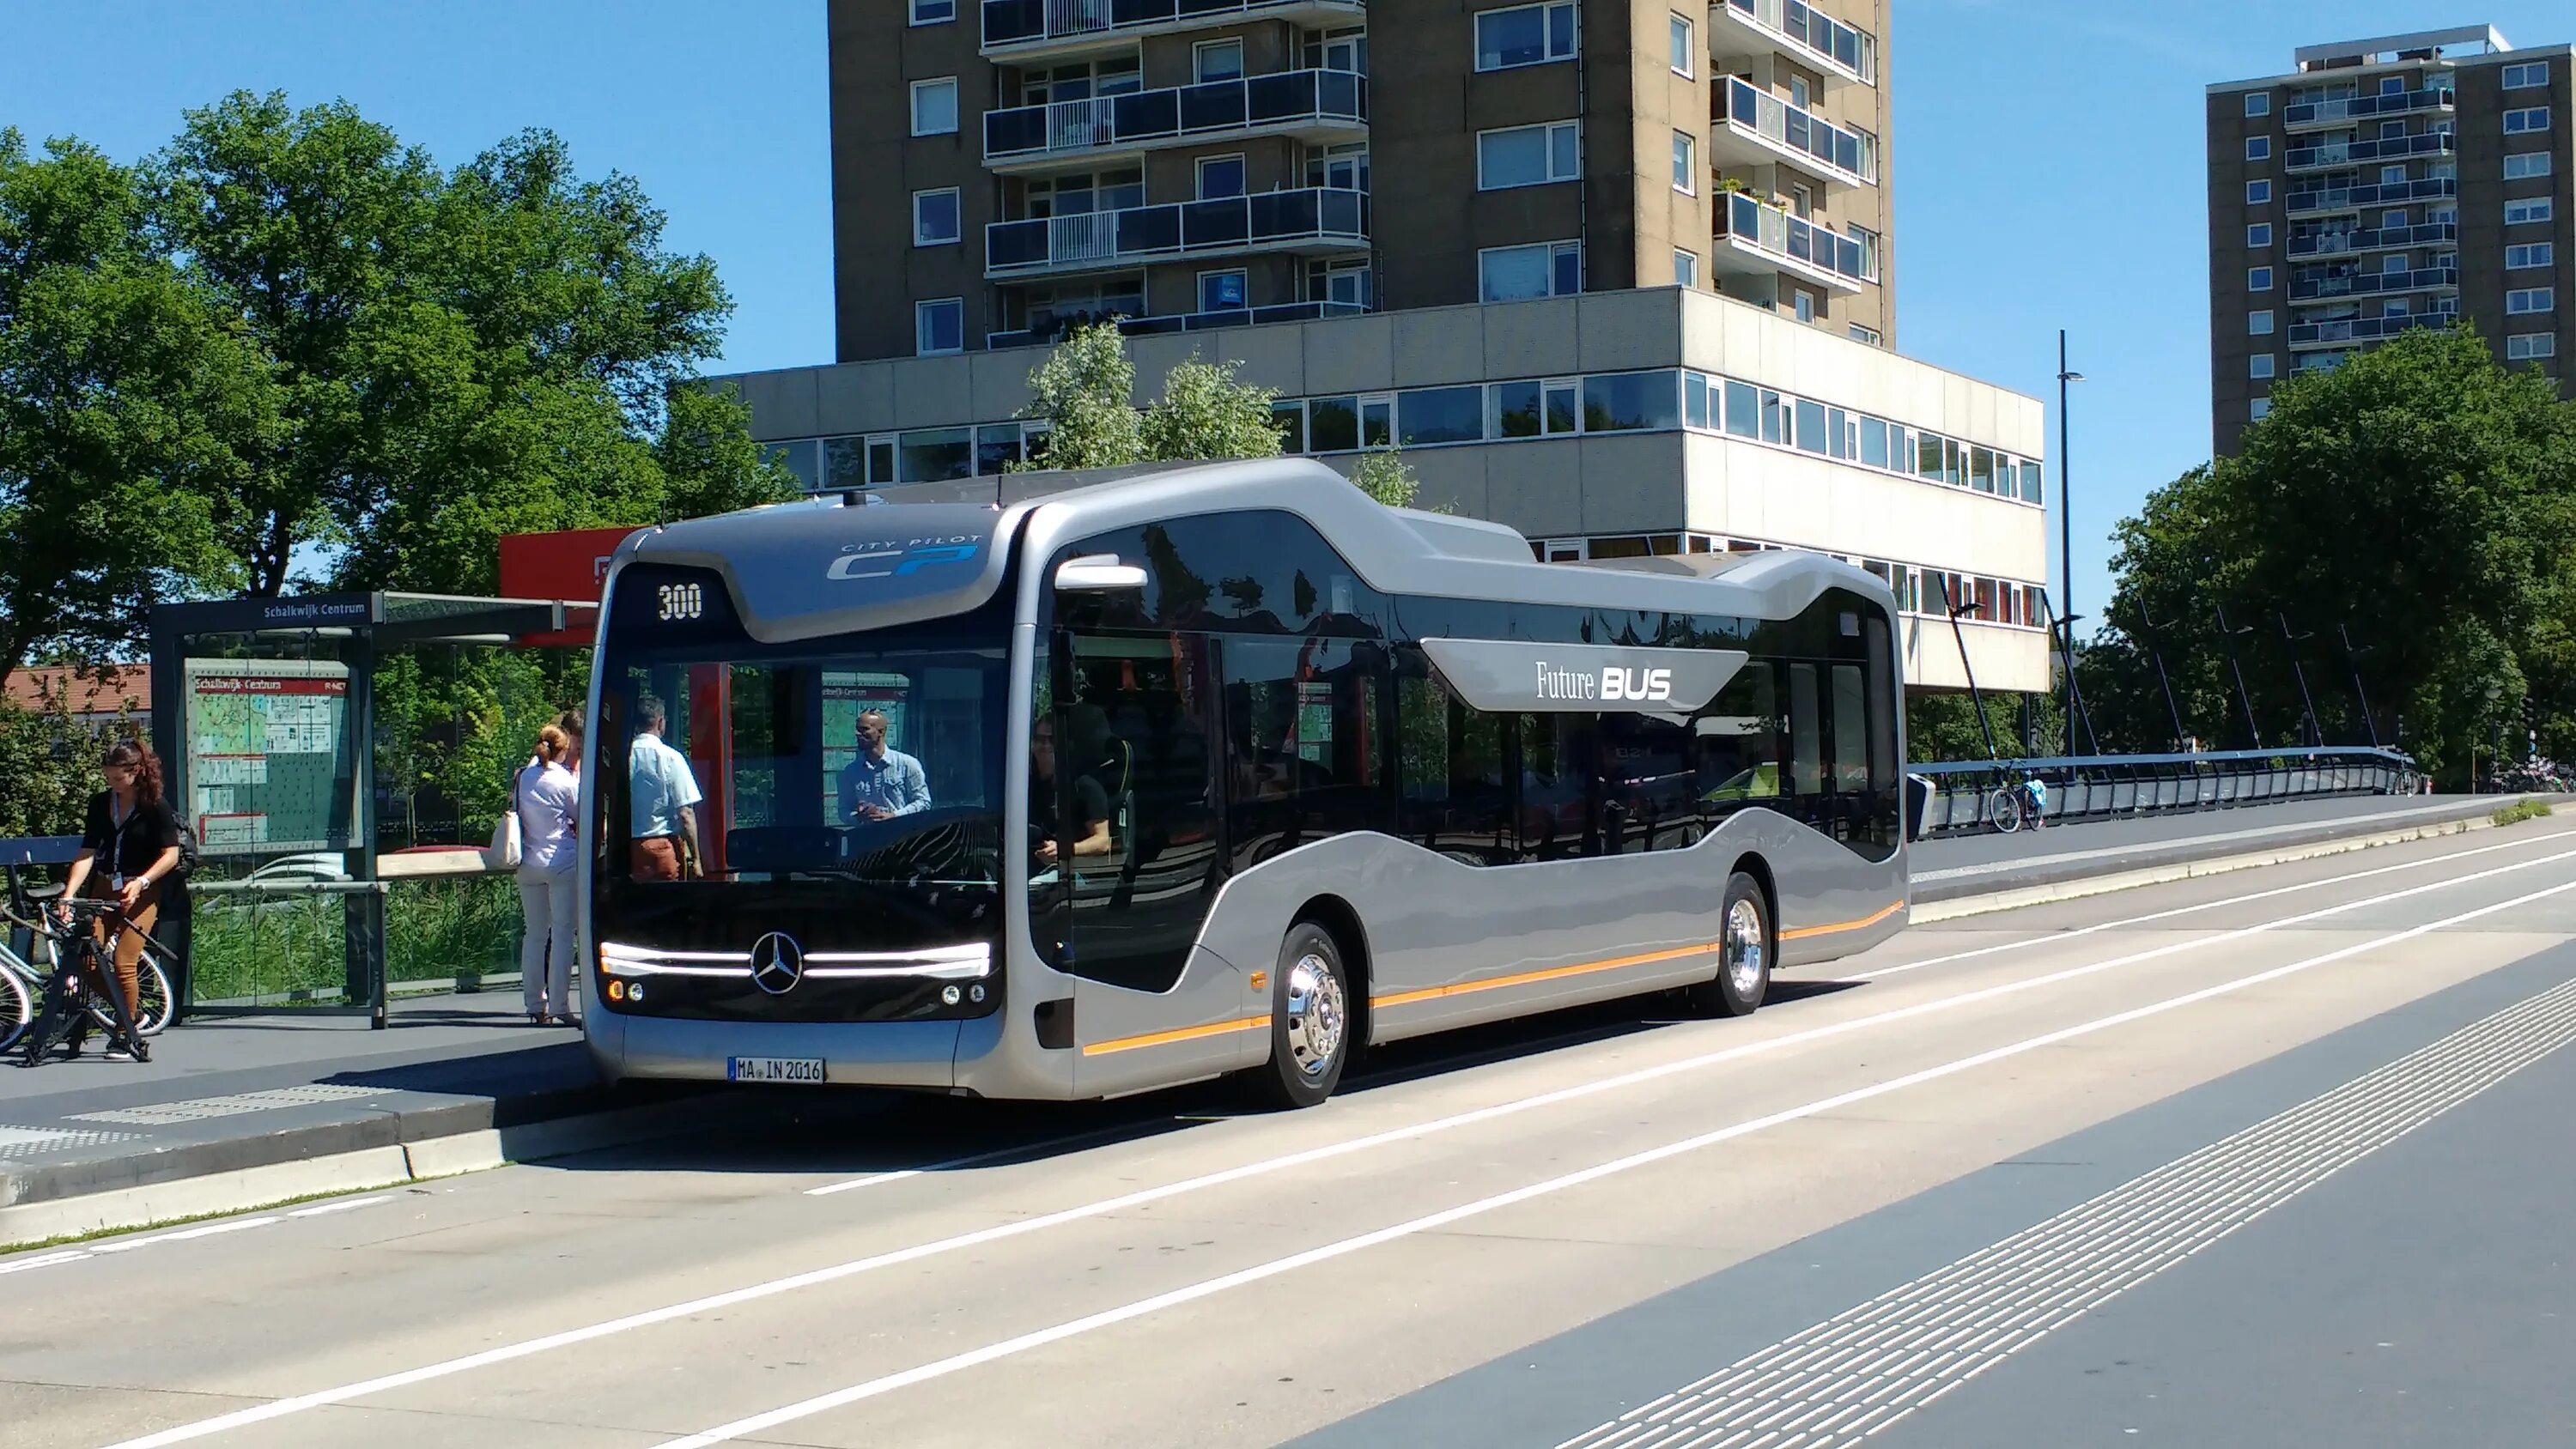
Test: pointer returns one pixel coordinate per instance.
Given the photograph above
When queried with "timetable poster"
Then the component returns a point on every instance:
(270, 765)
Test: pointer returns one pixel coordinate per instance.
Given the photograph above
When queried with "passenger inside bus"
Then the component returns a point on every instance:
(1046, 815)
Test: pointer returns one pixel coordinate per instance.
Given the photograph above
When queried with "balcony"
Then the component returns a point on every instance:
(1320, 107)
(1764, 241)
(2354, 241)
(1801, 32)
(1761, 129)
(2313, 114)
(2363, 329)
(1317, 220)
(1183, 322)
(2387, 148)
(1018, 31)
(2375, 284)
(2354, 198)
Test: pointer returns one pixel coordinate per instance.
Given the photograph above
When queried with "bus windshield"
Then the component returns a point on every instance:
(848, 790)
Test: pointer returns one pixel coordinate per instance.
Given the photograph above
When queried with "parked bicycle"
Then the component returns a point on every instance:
(24, 983)
(2020, 800)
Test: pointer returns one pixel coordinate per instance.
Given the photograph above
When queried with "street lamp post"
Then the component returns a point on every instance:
(2352, 657)
(2290, 641)
(2227, 636)
(2066, 539)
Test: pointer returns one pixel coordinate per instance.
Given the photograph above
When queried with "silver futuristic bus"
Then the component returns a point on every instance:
(1100, 782)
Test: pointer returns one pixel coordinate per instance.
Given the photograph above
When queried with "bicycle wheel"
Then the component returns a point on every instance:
(153, 986)
(2003, 810)
(17, 1008)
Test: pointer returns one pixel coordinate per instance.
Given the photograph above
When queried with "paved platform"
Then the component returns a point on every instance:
(229, 1094)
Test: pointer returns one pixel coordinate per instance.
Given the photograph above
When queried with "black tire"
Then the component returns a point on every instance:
(1748, 942)
(1310, 996)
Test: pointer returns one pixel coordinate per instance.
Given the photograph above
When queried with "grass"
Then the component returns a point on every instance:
(2519, 811)
(435, 929)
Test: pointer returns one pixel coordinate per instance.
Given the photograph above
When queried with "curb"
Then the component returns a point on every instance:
(2081, 886)
(360, 1170)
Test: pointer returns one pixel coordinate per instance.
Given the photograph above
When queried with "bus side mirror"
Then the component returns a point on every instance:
(1097, 573)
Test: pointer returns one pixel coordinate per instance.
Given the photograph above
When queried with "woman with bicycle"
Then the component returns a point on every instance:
(132, 830)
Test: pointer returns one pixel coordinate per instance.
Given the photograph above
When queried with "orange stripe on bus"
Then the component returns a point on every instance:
(1166, 1038)
(1527, 978)
(1872, 919)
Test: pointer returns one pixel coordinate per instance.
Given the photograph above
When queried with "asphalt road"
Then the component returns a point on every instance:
(2270, 1157)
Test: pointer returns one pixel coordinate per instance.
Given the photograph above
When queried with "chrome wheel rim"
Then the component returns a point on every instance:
(1317, 1015)
(1744, 948)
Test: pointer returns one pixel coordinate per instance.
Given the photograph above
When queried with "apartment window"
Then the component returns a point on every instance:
(2259, 324)
(1869, 335)
(1524, 35)
(2522, 165)
(934, 107)
(1802, 202)
(939, 327)
(2259, 409)
(1218, 60)
(2538, 208)
(2258, 103)
(1685, 151)
(2258, 279)
(1513, 274)
(1225, 291)
(1345, 167)
(1681, 39)
(2526, 300)
(2258, 148)
(2257, 192)
(2535, 118)
(1798, 94)
(2524, 77)
(931, 12)
(934, 217)
(2392, 175)
(2395, 218)
(1220, 176)
(1528, 155)
(2259, 234)
(2524, 346)
(2393, 266)
(2528, 254)
(1806, 306)
(1685, 268)
(2259, 366)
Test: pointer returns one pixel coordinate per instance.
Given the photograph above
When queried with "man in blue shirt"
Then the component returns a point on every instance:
(881, 783)
(663, 794)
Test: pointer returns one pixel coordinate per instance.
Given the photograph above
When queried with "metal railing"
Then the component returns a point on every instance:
(1838, 154)
(2365, 329)
(1807, 246)
(2365, 284)
(1178, 322)
(2355, 108)
(1952, 798)
(2371, 239)
(1286, 98)
(2377, 148)
(2354, 198)
(1263, 220)
(1818, 37)
(1013, 22)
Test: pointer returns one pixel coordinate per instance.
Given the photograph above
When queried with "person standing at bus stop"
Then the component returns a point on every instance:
(663, 794)
(548, 802)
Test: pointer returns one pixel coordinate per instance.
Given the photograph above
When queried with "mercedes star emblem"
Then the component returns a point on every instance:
(777, 963)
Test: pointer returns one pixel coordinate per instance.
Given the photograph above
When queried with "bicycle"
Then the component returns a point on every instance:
(23, 983)
(2010, 806)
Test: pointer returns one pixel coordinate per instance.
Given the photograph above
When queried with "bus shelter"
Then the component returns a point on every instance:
(266, 722)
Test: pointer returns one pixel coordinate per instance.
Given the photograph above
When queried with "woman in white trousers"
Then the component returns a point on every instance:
(549, 809)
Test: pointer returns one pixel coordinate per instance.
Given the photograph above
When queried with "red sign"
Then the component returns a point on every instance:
(571, 565)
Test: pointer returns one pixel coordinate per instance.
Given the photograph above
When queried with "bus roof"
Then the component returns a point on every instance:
(858, 560)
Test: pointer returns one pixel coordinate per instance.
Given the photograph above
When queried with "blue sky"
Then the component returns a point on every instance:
(2046, 157)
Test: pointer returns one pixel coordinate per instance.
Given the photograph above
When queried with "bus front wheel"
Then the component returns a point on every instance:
(1745, 946)
(1310, 1020)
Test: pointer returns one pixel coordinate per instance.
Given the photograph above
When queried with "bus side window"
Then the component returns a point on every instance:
(1806, 733)
(1135, 738)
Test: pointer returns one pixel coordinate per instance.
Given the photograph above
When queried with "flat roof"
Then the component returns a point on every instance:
(2486, 36)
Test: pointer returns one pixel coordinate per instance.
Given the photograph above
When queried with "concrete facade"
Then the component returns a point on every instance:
(2367, 192)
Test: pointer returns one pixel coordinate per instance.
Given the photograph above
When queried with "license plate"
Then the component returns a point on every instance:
(774, 1069)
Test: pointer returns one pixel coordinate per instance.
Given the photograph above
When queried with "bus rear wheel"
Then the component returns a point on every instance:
(1310, 1020)
(1745, 947)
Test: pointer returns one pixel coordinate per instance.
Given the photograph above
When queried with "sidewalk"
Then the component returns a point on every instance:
(238, 1112)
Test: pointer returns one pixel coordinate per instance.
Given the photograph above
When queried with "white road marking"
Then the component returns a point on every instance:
(44, 1260)
(2046, 1276)
(506, 1353)
(1048, 1144)
(229, 1225)
(1143, 1307)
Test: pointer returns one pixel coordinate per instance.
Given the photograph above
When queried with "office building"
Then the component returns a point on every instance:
(2385, 184)
(1617, 273)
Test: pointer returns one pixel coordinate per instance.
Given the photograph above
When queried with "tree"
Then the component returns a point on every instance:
(124, 408)
(455, 355)
(2419, 494)
(1085, 390)
(1383, 474)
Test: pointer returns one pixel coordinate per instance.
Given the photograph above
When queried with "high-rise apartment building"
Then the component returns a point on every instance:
(1185, 163)
(1616, 273)
(2396, 182)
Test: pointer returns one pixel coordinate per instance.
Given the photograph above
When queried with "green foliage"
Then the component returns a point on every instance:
(289, 329)
(1383, 474)
(2421, 495)
(1943, 727)
(2520, 811)
(450, 930)
(48, 765)
(1085, 391)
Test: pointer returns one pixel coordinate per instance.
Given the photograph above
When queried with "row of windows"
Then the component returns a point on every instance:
(2524, 346)
(1529, 155)
(2523, 301)
(2538, 208)
(1919, 589)
(2527, 120)
(2528, 254)
(1657, 401)
(2523, 165)
(2526, 75)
